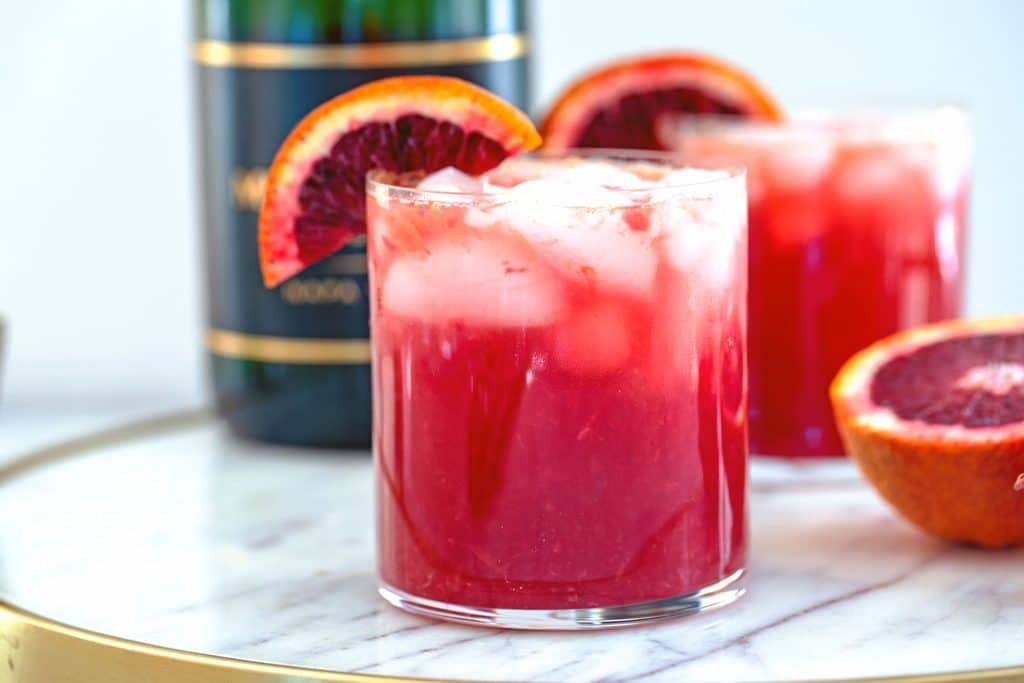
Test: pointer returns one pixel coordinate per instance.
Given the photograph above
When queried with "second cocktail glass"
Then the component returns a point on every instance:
(560, 390)
(857, 228)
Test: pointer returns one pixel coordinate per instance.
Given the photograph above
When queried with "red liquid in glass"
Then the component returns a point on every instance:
(595, 458)
(853, 236)
(831, 272)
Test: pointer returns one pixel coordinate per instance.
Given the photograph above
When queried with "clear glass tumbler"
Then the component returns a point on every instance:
(560, 391)
(857, 229)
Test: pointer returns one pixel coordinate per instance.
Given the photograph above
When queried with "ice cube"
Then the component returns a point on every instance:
(580, 230)
(478, 218)
(798, 163)
(701, 230)
(489, 280)
(688, 241)
(608, 254)
(559, 193)
(577, 222)
(514, 172)
(451, 179)
(867, 174)
(880, 192)
(600, 174)
(691, 176)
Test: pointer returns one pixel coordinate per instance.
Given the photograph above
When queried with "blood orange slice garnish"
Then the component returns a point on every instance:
(934, 417)
(619, 106)
(314, 201)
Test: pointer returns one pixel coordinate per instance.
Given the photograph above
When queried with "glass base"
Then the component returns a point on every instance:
(718, 594)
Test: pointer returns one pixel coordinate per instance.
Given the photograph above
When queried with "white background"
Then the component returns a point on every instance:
(99, 248)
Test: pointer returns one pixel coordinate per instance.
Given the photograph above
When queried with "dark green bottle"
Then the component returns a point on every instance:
(291, 365)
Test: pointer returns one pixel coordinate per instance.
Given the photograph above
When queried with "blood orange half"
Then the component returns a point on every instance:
(934, 418)
(314, 201)
(619, 105)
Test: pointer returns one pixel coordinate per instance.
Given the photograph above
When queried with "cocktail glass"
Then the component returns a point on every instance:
(857, 228)
(560, 391)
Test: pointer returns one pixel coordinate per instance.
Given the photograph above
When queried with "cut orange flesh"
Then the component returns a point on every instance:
(619, 106)
(934, 418)
(314, 201)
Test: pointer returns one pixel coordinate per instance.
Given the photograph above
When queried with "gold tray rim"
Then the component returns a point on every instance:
(34, 647)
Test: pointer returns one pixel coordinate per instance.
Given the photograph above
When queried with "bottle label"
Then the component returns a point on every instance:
(251, 96)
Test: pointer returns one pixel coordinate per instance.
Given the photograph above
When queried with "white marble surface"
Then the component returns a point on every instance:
(197, 541)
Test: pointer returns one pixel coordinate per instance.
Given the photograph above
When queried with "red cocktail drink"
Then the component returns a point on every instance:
(560, 391)
(856, 231)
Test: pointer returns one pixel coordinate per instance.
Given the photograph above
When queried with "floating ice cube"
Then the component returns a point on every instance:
(579, 229)
(869, 174)
(691, 176)
(880, 193)
(564, 192)
(797, 163)
(688, 242)
(887, 186)
(516, 171)
(701, 230)
(600, 174)
(488, 281)
(607, 254)
(937, 141)
(694, 247)
(451, 179)
(713, 204)
(573, 213)
(478, 218)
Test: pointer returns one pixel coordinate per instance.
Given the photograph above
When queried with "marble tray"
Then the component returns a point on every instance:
(169, 551)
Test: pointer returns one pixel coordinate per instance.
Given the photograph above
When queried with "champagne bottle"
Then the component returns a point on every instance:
(291, 364)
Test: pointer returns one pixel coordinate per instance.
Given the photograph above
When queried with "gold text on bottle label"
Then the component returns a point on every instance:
(327, 290)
